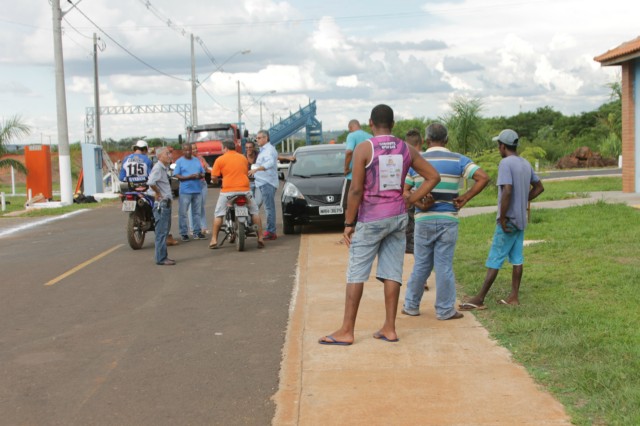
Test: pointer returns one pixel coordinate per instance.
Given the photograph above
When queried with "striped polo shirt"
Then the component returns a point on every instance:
(454, 168)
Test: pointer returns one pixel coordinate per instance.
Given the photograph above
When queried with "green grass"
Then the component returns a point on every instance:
(577, 328)
(16, 204)
(556, 190)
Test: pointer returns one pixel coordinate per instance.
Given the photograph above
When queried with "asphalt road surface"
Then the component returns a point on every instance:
(559, 174)
(93, 332)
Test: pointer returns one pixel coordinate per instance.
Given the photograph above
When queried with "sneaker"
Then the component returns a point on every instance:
(184, 238)
(269, 235)
(199, 236)
(411, 312)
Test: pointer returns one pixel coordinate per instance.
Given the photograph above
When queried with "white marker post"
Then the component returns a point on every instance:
(13, 182)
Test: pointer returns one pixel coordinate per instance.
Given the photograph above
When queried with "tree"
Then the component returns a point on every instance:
(10, 129)
(466, 126)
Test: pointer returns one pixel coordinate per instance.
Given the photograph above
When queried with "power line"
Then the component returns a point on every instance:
(126, 50)
(179, 29)
(214, 100)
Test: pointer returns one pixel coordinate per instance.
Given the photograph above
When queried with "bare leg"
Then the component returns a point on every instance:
(516, 278)
(478, 299)
(256, 219)
(391, 296)
(217, 224)
(351, 305)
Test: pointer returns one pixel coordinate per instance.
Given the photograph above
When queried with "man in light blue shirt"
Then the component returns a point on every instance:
(266, 179)
(356, 136)
(189, 172)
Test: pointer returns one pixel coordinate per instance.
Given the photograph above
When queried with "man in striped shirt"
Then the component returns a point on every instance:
(436, 228)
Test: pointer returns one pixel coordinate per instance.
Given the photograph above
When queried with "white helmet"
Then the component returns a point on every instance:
(141, 144)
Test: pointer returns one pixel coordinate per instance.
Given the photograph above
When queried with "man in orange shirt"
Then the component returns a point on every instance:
(233, 167)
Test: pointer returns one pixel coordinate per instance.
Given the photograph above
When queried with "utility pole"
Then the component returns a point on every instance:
(194, 100)
(64, 157)
(239, 110)
(96, 89)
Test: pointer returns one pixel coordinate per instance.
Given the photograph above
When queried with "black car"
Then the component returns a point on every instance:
(313, 187)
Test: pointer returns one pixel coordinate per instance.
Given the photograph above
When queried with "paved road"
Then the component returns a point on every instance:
(582, 173)
(123, 341)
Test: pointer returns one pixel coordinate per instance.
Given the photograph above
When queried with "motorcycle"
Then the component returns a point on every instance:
(139, 205)
(237, 224)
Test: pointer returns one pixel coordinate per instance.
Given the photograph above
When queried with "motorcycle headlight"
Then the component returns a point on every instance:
(290, 190)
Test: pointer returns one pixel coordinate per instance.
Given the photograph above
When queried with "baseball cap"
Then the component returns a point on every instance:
(507, 137)
(141, 144)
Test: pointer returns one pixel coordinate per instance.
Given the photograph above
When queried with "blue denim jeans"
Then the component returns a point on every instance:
(162, 216)
(434, 245)
(203, 209)
(187, 201)
(268, 197)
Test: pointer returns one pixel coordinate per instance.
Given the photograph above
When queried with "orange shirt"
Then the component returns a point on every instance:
(234, 169)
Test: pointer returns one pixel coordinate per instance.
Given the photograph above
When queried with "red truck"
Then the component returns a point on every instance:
(207, 138)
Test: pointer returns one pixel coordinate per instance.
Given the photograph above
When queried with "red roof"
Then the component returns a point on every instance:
(625, 52)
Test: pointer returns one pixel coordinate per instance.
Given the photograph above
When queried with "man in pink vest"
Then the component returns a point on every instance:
(380, 165)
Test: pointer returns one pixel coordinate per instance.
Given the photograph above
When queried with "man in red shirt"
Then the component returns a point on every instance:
(233, 167)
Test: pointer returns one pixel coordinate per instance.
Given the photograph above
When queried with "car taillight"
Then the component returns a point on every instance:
(241, 201)
(130, 196)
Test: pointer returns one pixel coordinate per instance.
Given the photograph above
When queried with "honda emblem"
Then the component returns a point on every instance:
(330, 198)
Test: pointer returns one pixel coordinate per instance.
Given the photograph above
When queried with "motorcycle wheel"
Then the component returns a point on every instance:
(135, 234)
(242, 234)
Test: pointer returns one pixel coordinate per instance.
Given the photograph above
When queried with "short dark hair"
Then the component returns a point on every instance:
(229, 144)
(382, 115)
(414, 138)
(437, 132)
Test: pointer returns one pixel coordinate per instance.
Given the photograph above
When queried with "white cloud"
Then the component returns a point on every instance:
(414, 55)
(347, 81)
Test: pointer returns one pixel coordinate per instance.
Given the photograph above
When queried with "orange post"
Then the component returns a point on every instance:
(38, 164)
(79, 184)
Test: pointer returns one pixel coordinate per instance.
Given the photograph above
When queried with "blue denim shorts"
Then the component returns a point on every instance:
(506, 244)
(385, 238)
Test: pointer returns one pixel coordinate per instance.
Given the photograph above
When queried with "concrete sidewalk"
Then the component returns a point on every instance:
(440, 373)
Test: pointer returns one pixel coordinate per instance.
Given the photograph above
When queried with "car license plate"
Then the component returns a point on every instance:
(128, 205)
(242, 211)
(330, 210)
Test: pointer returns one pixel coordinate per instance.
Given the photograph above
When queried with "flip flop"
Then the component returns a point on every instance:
(504, 302)
(260, 245)
(380, 336)
(332, 341)
(468, 306)
(213, 246)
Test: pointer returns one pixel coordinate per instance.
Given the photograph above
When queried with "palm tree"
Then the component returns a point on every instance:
(12, 128)
(466, 125)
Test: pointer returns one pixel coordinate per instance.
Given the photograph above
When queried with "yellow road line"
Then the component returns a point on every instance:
(82, 265)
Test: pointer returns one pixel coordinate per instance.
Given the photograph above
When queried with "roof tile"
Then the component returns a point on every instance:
(627, 48)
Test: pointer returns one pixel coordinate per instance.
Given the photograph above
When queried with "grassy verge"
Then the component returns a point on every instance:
(556, 190)
(16, 204)
(577, 328)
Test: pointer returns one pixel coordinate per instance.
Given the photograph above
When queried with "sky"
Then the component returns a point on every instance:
(415, 56)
